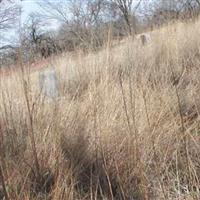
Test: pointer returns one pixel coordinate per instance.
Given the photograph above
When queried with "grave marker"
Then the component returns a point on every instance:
(48, 83)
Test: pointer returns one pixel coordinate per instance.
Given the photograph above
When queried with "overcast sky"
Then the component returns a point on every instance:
(28, 7)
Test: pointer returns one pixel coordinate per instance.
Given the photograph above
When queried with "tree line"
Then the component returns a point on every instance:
(85, 24)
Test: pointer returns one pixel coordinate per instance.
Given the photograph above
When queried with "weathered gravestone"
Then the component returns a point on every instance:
(49, 83)
(145, 38)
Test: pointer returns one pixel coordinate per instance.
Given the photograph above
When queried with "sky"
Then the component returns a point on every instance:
(29, 6)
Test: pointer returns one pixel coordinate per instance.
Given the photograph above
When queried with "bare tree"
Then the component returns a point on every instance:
(36, 38)
(175, 9)
(65, 10)
(125, 7)
(80, 18)
(127, 10)
(9, 13)
(85, 20)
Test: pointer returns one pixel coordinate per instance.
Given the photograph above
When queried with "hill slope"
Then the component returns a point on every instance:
(125, 126)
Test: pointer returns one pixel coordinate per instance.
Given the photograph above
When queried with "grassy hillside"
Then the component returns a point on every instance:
(125, 126)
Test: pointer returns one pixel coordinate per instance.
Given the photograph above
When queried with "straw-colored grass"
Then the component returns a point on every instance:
(125, 126)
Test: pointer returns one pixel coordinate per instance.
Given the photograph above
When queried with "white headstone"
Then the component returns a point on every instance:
(49, 83)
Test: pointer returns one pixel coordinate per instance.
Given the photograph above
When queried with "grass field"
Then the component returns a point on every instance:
(125, 125)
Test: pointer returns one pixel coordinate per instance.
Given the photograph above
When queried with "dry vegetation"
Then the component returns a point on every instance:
(126, 124)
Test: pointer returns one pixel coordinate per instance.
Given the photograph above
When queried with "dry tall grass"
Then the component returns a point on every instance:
(126, 124)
